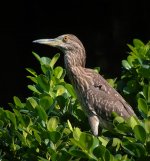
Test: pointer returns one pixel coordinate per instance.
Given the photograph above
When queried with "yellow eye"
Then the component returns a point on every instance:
(65, 39)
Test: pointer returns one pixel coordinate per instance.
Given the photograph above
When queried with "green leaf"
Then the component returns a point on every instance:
(99, 151)
(132, 122)
(147, 125)
(21, 138)
(70, 126)
(37, 56)
(1, 124)
(18, 102)
(45, 68)
(42, 159)
(103, 140)
(78, 153)
(31, 71)
(54, 60)
(144, 72)
(32, 79)
(33, 88)
(71, 90)
(43, 83)
(133, 49)
(97, 69)
(142, 106)
(60, 90)
(138, 43)
(11, 117)
(52, 124)
(32, 102)
(116, 143)
(19, 117)
(54, 136)
(37, 137)
(86, 141)
(140, 133)
(146, 92)
(118, 120)
(45, 61)
(64, 155)
(46, 102)
(41, 112)
(134, 149)
(111, 82)
(126, 65)
(58, 71)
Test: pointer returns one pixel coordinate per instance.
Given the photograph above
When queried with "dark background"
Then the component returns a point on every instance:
(104, 27)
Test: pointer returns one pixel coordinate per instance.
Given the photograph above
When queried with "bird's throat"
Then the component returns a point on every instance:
(74, 59)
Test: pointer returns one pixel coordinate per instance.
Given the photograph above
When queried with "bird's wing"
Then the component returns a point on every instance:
(103, 85)
(104, 104)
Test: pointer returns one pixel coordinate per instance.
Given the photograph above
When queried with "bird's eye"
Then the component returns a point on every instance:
(65, 39)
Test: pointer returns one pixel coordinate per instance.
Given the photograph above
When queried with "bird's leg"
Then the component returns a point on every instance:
(94, 124)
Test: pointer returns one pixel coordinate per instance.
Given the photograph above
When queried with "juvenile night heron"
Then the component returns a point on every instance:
(97, 98)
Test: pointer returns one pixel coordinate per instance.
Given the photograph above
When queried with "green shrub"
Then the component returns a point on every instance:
(50, 124)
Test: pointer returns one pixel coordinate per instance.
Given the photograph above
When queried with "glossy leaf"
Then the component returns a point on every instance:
(54, 60)
(45, 60)
(52, 123)
(18, 102)
(138, 43)
(33, 88)
(32, 102)
(86, 141)
(37, 137)
(71, 90)
(142, 105)
(58, 71)
(132, 122)
(146, 92)
(46, 102)
(125, 64)
(43, 83)
(33, 72)
(41, 112)
(36, 56)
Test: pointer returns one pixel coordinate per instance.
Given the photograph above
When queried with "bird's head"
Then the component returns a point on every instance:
(70, 45)
(67, 42)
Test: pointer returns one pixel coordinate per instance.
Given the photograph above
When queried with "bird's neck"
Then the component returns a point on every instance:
(76, 58)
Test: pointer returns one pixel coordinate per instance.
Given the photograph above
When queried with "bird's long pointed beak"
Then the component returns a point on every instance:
(50, 42)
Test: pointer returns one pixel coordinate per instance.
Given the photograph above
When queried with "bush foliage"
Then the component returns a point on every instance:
(50, 124)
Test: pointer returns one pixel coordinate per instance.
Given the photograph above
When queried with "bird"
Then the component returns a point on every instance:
(97, 98)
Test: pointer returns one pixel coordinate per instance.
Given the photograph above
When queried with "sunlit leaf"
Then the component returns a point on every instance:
(125, 64)
(36, 56)
(18, 102)
(52, 123)
(33, 72)
(71, 90)
(58, 71)
(54, 60)
(46, 102)
(138, 43)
